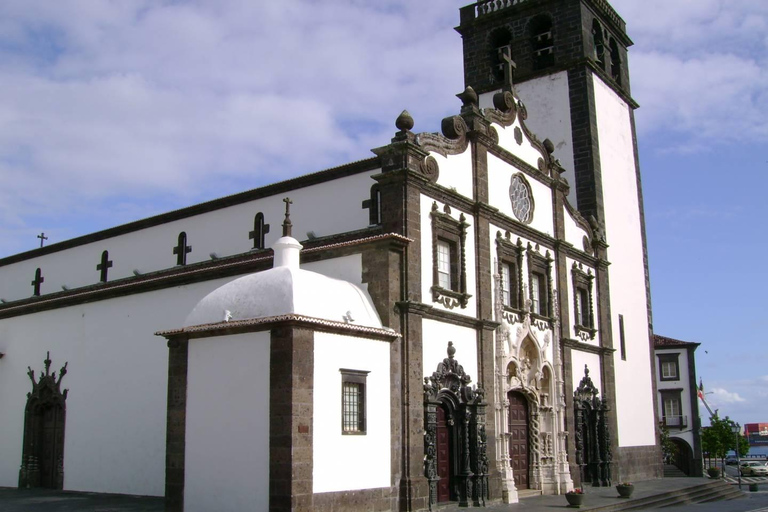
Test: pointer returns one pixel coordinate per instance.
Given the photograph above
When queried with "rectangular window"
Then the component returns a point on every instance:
(444, 264)
(582, 298)
(506, 285)
(621, 338)
(672, 410)
(538, 294)
(353, 412)
(669, 368)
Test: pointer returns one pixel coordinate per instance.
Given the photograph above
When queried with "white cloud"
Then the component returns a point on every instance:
(722, 396)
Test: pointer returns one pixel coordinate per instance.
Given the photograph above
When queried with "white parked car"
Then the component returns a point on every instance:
(753, 468)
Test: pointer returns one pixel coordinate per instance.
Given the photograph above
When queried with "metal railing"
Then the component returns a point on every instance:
(675, 421)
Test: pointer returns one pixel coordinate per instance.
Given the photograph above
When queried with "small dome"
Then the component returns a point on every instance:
(286, 289)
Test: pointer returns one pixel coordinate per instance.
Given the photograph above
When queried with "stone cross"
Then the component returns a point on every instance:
(42, 238)
(508, 66)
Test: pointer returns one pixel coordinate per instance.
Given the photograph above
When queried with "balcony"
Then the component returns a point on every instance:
(675, 421)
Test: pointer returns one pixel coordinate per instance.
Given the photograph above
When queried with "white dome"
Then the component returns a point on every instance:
(283, 290)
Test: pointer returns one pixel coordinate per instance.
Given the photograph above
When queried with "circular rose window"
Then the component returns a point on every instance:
(520, 196)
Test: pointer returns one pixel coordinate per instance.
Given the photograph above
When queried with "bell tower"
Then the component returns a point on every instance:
(558, 46)
(570, 70)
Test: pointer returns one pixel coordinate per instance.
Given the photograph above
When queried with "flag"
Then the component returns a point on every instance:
(700, 392)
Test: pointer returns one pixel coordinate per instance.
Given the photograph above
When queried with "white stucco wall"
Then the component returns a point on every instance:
(426, 256)
(227, 436)
(499, 176)
(574, 233)
(318, 208)
(117, 380)
(634, 392)
(456, 172)
(548, 103)
(579, 359)
(435, 338)
(349, 462)
(681, 383)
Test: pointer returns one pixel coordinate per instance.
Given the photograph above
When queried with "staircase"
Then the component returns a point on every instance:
(715, 490)
(672, 471)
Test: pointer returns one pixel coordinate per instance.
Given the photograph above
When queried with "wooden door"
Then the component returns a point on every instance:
(51, 446)
(443, 458)
(518, 438)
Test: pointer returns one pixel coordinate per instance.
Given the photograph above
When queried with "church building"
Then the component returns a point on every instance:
(462, 317)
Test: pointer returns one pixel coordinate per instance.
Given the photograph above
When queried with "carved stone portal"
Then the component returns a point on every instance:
(42, 461)
(463, 408)
(593, 442)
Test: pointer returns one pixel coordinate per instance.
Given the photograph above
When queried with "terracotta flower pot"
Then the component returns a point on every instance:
(574, 500)
(625, 491)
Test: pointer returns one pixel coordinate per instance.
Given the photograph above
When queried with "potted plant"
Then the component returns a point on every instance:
(713, 472)
(575, 498)
(625, 489)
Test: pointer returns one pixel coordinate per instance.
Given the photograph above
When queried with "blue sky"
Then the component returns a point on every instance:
(113, 111)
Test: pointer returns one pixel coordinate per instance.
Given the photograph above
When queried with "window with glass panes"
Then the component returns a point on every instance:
(353, 413)
(444, 264)
(582, 307)
(538, 297)
(669, 368)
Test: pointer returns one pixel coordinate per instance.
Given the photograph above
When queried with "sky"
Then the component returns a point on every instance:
(116, 110)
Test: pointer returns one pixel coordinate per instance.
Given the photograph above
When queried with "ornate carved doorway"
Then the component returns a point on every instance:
(455, 458)
(42, 461)
(443, 457)
(518, 438)
(593, 440)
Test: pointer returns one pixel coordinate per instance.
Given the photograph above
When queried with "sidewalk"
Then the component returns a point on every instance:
(596, 497)
(44, 500)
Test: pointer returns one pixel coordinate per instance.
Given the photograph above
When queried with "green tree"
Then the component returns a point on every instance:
(718, 438)
(668, 448)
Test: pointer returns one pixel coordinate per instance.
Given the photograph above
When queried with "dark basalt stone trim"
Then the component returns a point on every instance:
(500, 220)
(384, 498)
(696, 466)
(639, 463)
(578, 255)
(252, 261)
(292, 320)
(430, 312)
(176, 423)
(584, 347)
(516, 162)
(291, 409)
(208, 206)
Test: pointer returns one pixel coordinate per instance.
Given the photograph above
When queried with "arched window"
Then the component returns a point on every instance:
(501, 41)
(259, 231)
(39, 279)
(599, 45)
(542, 42)
(615, 61)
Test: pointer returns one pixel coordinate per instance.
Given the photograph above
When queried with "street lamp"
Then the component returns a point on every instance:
(736, 428)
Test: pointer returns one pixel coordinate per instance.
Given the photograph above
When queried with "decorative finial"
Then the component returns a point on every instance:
(549, 146)
(468, 97)
(586, 371)
(451, 350)
(404, 121)
(287, 225)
